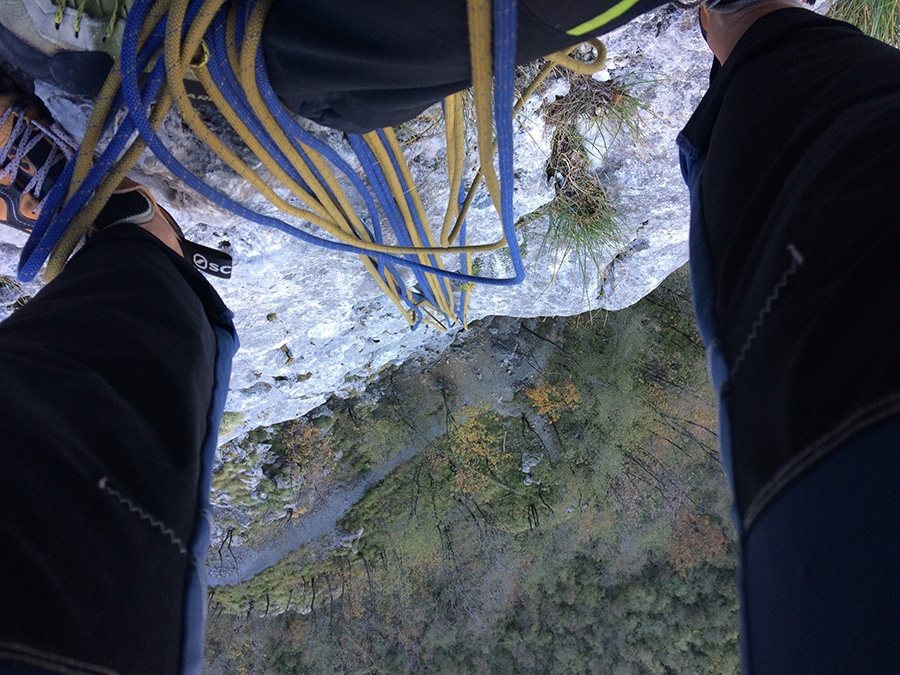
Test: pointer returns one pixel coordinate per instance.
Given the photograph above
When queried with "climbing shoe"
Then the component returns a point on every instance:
(71, 44)
(68, 43)
(33, 153)
(132, 203)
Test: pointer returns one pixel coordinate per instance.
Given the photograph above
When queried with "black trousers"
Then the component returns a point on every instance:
(106, 384)
(795, 194)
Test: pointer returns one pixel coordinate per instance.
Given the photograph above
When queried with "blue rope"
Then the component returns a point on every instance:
(379, 184)
(506, 22)
(294, 131)
(51, 225)
(139, 117)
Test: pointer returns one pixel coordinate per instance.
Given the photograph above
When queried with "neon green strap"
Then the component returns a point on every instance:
(613, 12)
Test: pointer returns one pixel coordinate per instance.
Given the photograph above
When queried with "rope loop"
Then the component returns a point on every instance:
(595, 65)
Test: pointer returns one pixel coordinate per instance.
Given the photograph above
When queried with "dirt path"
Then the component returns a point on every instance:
(244, 562)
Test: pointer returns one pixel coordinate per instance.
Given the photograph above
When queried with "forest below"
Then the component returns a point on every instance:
(589, 535)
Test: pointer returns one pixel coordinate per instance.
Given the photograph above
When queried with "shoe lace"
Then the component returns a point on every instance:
(23, 138)
(119, 11)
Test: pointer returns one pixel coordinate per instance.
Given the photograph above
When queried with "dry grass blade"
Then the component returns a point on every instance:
(582, 219)
(878, 18)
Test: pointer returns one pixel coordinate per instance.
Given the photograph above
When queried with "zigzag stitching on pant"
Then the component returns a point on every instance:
(796, 261)
(143, 515)
(29, 656)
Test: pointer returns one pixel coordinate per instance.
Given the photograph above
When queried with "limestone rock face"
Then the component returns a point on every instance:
(313, 323)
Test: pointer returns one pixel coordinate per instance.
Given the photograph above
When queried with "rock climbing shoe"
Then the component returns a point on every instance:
(34, 154)
(69, 43)
(133, 203)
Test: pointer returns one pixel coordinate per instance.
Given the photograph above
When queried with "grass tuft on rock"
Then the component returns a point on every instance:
(878, 18)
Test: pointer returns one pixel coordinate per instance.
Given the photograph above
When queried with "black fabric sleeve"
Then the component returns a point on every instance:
(360, 65)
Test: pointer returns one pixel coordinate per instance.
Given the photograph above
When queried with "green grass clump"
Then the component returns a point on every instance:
(878, 18)
(582, 220)
(615, 105)
(230, 422)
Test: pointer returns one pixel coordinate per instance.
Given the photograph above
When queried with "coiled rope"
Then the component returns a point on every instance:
(222, 44)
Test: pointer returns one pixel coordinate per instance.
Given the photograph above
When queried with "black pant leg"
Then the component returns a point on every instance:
(106, 379)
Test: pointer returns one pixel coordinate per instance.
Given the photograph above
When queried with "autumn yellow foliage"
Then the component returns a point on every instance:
(308, 450)
(552, 399)
(475, 450)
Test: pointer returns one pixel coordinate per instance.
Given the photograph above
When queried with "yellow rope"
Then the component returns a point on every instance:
(383, 156)
(325, 203)
(482, 71)
(80, 224)
(585, 68)
(455, 136)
